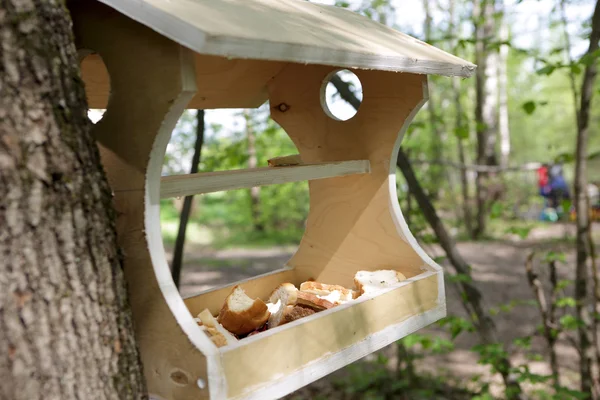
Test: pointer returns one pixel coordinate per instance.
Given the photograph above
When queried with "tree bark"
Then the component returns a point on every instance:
(482, 321)
(582, 209)
(486, 110)
(177, 262)
(547, 311)
(66, 330)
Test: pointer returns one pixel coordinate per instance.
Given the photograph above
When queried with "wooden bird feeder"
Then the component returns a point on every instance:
(146, 61)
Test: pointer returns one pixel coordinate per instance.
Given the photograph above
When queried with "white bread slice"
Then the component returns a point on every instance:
(334, 293)
(284, 295)
(313, 301)
(370, 281)
(219, 335)
(240, 314)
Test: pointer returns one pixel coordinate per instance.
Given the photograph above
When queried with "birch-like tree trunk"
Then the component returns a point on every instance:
(503, 121)
(437, 134)
(486, 107)
(66, 330)
(584, 251)
(460, 128)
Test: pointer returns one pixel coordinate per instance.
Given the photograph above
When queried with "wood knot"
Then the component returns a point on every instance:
(180, 378)
(282, 107)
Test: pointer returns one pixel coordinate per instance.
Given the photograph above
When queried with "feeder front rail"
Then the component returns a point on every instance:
(208, 182)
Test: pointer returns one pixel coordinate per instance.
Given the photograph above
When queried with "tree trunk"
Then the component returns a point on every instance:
(482, 321)
(253, 163)
(460, 128)
(486, 110)
(503, 120)
(582, 209)
(464, 185)
(436, 147)
(66, 330)
(187, 203)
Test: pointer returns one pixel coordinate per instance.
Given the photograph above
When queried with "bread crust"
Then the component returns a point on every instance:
(292, 293)
(216, 332)
(312, 301)
(287, 294)
(244, 322)
(323, 289)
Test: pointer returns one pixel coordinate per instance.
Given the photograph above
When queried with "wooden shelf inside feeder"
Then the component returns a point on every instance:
(208, 182)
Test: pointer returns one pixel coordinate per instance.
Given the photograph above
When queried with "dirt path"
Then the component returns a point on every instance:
(498, 268)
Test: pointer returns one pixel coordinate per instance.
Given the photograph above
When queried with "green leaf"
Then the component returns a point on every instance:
(439, 259)
(588, 59)
(570, 322)
(524, 342)
(547, 70)
(529, 107)
(461, 132)
(555, 256)
(497, 210)
(563, 284)
(575, 69)
(522, 231)
(565, 158)
(566, 302)
(566, 393)
(456, 278)
(456, 325)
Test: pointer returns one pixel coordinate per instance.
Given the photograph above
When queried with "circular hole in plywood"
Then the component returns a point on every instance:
(344, 103)
(97, 85)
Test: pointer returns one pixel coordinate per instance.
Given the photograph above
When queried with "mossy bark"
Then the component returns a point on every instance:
(65, 325)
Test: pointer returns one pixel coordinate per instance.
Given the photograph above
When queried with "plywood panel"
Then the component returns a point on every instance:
(352, 223)
(292, 31)
(222, 82)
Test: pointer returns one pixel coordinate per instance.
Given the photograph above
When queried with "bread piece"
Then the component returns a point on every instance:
(313, 301)
(285, 161)
(296, 312)
(284, 295)
(240, 314)
(219, 335)
(370, 281)
(334, 293)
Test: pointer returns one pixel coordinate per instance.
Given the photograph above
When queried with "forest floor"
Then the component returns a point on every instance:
(498, 269)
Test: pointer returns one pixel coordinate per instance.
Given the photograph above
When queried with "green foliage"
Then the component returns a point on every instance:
(555, 256)
(570, 322)
(529, 107)
(510, 306)
(566, 302)
(434, 344)
(460, 278)
(456, 325)
(491, 354)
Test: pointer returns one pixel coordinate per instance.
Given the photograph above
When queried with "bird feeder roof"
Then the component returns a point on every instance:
(292, 31)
